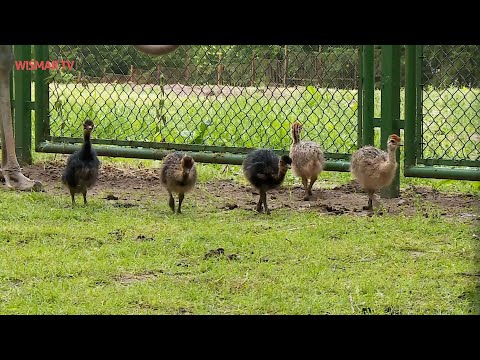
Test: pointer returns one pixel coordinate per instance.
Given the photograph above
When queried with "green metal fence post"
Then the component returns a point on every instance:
(390, 107)
(23, 113)
(419, 115)
(360, 98)
(41, 97)
(410, 138)
(368, 95)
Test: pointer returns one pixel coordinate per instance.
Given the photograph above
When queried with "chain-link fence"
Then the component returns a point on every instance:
(451, 104)
(239, 97)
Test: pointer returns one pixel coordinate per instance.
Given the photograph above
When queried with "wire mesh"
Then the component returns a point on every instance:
(451, 102)
(232, 96)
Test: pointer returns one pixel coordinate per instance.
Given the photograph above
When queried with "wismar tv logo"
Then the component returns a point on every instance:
(44, 65)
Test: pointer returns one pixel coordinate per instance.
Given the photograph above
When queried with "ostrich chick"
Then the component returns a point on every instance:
(307, 159)
(178, 175)
(265, 171)
(373, 168)
(81, 171)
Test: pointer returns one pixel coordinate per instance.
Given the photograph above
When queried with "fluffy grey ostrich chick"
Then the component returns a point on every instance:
(373, 168)
(265, 171)
(307, 159)
(178, 175)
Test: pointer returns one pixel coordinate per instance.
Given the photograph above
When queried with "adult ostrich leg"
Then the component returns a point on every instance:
(11, 171)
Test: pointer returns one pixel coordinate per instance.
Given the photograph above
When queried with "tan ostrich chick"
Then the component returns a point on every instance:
(307, 159)
(178, 175)
(373, 168)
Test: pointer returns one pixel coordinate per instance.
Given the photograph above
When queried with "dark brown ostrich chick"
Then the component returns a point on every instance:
(81, 171)
(265, 171)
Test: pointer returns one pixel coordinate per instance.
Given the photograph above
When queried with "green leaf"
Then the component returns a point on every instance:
(58, 104)
(203, 128)
(311, 89)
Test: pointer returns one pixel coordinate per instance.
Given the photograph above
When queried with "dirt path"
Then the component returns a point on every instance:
(132, 187)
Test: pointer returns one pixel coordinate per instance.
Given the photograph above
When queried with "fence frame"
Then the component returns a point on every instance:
(390, 122)
(415, 165)
(22, 106)
(139, 149)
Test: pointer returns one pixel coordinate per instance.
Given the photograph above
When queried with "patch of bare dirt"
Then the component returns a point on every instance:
(133, 187)
(220, 252)
(348, 199)
(126, 279)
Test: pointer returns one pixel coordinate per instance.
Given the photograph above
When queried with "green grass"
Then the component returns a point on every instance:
(242, 121)
(59, 260)
(451, 123)
(90, 260)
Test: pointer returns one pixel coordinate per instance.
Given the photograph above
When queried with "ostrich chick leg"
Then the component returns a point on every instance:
(181, 196)
(305, 187)
(72, 194)
(263, 196)
(312, 181)
(171, 201)
(260, 203)
(370, 200)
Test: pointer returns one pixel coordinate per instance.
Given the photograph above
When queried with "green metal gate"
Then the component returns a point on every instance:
(442, 107)
(205, 101)
(441, 124)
